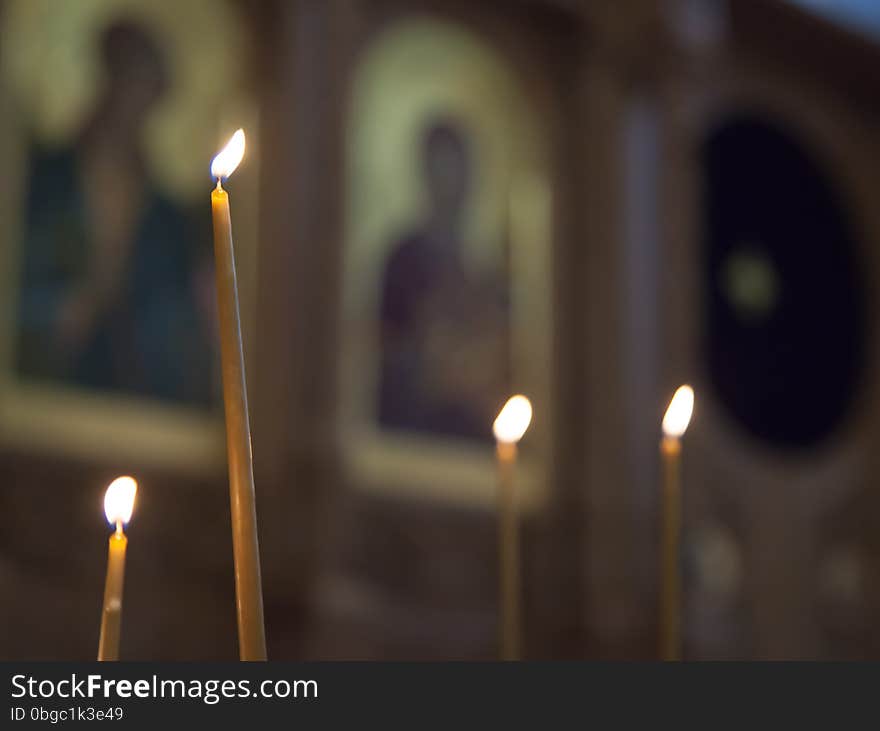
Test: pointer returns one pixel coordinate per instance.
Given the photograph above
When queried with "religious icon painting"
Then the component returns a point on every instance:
(109, 341)
(446, 282)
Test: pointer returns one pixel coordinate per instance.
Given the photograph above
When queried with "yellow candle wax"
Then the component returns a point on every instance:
(509, 427)
(675, 422)
(245, 544)
(111, 616)
(118, 506)
(670, 595)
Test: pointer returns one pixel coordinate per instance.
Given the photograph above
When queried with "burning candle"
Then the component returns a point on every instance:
(509, 427)
(118, 504)
(245, 545)
(675, 422)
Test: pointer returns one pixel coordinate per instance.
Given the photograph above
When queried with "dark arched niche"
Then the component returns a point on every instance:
(784, 320)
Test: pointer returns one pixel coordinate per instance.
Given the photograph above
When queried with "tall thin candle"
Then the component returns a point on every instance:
(509, 427)
(118, 505)
(675, 422)
(245, 545)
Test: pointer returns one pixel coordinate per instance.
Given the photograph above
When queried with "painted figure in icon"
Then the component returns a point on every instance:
(444, 329)
(113, 294)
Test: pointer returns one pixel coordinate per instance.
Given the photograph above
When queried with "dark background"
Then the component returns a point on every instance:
(715, 173)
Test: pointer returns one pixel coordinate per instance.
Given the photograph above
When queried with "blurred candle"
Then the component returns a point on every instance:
(118, 504)
(245, 545)
(509, 427)
(675, 422)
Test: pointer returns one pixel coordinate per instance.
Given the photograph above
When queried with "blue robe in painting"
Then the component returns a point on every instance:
(151, 342)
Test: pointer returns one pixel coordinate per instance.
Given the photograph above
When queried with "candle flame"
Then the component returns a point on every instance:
(119, 500)
(224, 164)
(678, 415)
(513, 419)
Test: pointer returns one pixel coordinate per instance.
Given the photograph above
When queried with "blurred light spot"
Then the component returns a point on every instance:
(750, 283)
(718, 562)
(858, 15)
(841, 576)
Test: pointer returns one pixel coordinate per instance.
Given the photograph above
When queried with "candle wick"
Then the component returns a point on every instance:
(219, 183)
(118, 528)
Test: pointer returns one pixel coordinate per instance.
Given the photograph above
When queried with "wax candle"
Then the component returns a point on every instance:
(245, 545)
(118, 505)
(675, 422)
(509, 427)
